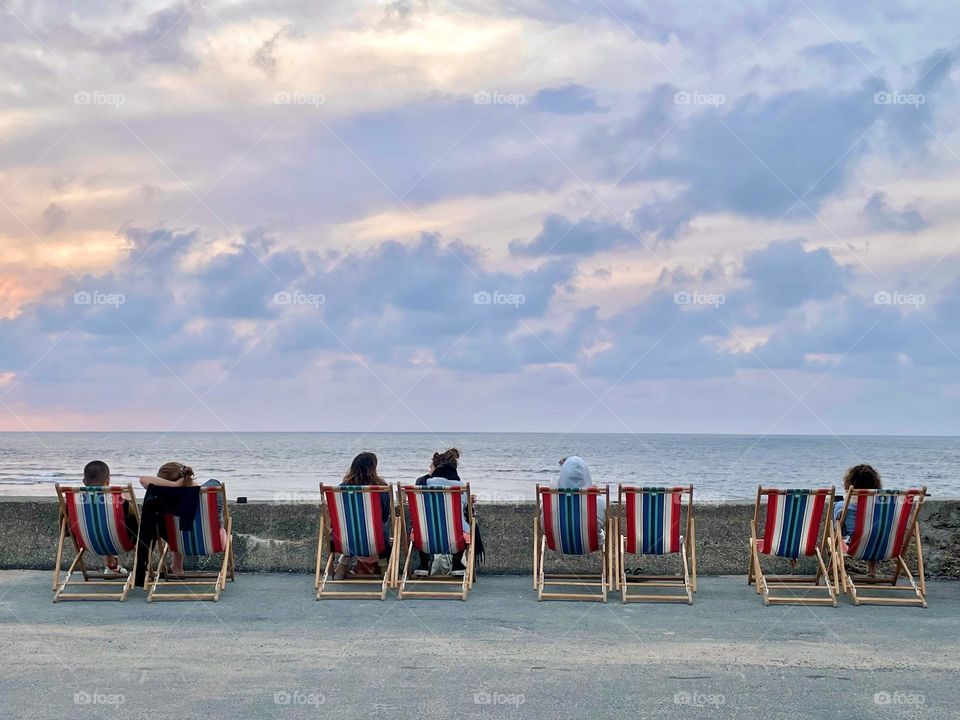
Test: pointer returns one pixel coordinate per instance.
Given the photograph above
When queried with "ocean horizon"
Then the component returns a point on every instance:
(289, 465)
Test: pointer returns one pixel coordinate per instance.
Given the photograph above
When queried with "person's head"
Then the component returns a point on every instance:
(174, 471)
(574, 473)
(861, 477)
(96, 473)
(363, 471)
(447, 457)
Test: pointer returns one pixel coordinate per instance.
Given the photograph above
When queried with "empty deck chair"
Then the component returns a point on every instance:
(94, 518)
(199, 538)
(353, 523)
(567, 523)
(438, 527)
(649, 521)
(797, 525)
(885, 525)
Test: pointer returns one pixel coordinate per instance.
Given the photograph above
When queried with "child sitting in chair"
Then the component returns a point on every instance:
(96, 473)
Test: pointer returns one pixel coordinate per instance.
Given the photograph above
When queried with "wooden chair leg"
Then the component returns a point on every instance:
(693, 553)
(59, 559)
(316, 576)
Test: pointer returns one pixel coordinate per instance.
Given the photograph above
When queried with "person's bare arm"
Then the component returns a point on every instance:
(148, 480)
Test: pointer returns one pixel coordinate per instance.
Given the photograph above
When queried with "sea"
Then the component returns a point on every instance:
(505, 467)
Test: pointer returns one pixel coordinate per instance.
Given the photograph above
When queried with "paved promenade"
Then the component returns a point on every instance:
(269, 650)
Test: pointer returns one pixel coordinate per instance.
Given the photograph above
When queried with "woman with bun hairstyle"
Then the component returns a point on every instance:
(443, 473)
(175, 474)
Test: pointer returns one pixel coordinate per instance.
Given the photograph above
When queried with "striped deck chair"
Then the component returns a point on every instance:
(436, 519)
(201, 539)
(649, 521)
(567, 523)
(94, 518)
(887, 521)
(352, 524)
(797, 525)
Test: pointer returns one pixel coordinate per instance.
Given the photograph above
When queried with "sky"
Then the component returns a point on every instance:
(480, 216)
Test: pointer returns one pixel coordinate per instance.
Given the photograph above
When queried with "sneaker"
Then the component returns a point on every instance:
(340, 572)
(458, 569)
(424, 569)
(117, 569)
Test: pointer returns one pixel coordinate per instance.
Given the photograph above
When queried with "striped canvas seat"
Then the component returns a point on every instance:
(356, 521)
(883, 522)
(202, 536)
(653, 520)
(569, 520)
(436, 520)
(793, 523)
(96, 520)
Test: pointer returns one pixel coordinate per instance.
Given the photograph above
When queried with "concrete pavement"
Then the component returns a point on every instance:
(269, 650)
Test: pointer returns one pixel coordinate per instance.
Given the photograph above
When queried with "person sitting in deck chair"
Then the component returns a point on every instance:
(363, 471)
(575, 475)
(96, 473)
(174, 474)
(443, 473)
(859, 477)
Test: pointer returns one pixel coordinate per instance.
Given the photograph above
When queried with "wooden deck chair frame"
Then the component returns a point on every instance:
(100, 585)
(686, 580)
(578, 586)
(323, 578)
(864, 590)
(407, 586)
(162, 586)
(822, 594)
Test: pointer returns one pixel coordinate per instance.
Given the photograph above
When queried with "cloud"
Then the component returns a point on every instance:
(884, 218)
(569, 99)
(162, 41)
(265, 56)
(561, 236)
(53, 218)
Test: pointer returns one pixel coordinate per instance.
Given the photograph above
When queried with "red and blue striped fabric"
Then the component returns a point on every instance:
(96, 519)
(884, 520)
(202, 537)
(569, 520)
(356, 521)
(653, 520)
(793, 522)
(436, 519)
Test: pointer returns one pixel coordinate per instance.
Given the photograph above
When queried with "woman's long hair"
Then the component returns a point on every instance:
(363, 471)
(176, 471)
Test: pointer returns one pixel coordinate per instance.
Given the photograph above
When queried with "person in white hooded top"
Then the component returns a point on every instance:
(575, 475)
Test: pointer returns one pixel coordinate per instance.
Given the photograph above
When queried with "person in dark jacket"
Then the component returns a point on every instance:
(443, 473)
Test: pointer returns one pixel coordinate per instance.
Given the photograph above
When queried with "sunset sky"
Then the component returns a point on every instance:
(523, 216)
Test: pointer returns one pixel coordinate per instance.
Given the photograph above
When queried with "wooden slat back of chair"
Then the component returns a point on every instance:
(795, 521)
(569, 518)
(436, 518)
(653, 518)
(357, 518)
(884, 521)
(202, 536)
(96, 517)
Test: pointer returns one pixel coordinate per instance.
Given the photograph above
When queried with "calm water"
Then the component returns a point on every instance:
(499, 466)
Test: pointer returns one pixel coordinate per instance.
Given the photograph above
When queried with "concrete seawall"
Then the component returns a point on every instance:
(282, 537)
